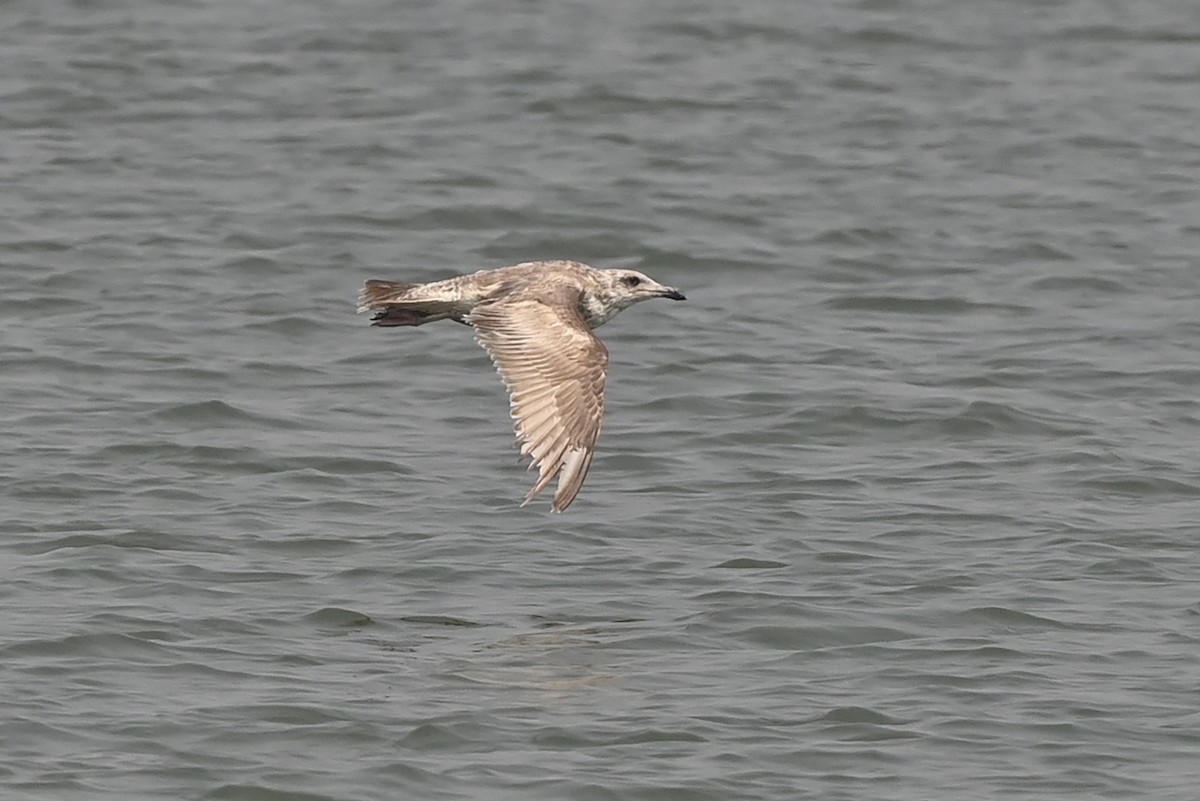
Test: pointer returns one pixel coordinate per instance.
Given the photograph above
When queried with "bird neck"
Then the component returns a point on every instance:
(598, 311)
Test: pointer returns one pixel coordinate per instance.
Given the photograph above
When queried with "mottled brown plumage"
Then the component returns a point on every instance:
(535, 320)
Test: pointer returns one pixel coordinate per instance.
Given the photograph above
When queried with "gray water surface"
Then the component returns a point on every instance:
(901, 504)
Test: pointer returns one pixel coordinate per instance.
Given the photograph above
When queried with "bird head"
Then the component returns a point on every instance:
(627, 287)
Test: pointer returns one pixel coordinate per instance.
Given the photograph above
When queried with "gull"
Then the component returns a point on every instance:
(535, 320)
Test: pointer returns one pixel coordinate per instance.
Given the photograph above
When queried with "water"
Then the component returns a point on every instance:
(902, 504)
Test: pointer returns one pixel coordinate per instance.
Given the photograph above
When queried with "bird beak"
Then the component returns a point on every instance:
(672, 293)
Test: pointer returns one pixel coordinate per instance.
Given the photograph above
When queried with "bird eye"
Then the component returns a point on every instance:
(631, 280)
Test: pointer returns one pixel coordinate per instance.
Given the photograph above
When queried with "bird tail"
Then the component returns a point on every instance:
(378, 293)
(392, 305)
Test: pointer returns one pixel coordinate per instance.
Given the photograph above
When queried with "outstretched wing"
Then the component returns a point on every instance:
(554, 368)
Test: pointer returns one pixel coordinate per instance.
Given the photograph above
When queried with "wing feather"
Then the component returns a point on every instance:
(554, 368)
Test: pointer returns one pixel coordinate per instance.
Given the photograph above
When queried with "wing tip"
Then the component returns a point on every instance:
(574, 470)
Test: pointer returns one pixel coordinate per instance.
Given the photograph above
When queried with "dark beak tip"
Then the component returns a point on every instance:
(675, 294)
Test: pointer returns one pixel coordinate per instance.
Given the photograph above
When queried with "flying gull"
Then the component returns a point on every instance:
(535, 320)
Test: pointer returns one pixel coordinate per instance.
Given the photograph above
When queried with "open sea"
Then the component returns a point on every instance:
(902, 504)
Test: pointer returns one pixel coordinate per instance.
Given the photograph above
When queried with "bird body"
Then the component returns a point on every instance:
(535, 320)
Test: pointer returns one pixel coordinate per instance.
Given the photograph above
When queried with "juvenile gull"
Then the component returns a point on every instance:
(535, 320)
